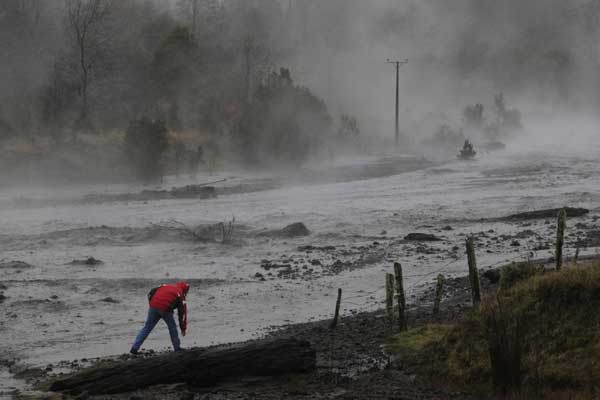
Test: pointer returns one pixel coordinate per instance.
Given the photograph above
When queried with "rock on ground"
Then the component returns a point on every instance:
(297, 229)
(422, 237)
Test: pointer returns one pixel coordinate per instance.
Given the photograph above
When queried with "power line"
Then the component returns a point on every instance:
(397, 64)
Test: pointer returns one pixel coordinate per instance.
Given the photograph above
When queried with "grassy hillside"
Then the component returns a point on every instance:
(542, 333)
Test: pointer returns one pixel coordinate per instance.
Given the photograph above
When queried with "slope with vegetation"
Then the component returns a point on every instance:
(538, 335)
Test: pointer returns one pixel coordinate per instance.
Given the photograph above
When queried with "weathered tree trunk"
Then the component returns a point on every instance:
(197, 367)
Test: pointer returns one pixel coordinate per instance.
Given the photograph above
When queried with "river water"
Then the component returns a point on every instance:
(56, 311)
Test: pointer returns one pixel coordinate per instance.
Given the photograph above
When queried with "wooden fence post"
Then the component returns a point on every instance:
(389, 297)
(473, 273)
(439, 292)
(560, 237)
(337, 310)
(401, 298)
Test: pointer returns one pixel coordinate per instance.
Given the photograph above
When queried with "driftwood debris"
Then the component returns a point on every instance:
(214, 233)
(547, 213)
(196, 367)
(201, 191)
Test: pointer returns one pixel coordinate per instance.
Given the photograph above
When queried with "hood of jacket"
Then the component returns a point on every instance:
(183, 286)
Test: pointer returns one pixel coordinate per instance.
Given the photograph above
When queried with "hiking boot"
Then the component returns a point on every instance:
(134, 351)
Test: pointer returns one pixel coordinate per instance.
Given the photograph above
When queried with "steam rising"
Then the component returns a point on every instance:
(541, 54)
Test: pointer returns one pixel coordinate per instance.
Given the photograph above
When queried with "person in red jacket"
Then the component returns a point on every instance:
(163, 301)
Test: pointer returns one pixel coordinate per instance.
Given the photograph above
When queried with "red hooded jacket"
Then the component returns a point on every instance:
(170, 297)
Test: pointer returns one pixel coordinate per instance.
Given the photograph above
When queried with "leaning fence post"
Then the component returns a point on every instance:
(337, 310)
(439, 292)
(389, 297)
(400, 296)
(473, 273)
(560, 237)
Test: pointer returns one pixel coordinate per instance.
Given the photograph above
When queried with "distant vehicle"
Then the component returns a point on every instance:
(467, 152)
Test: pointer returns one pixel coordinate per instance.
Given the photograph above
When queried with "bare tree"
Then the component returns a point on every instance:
(31, 9)
(199, 14)
(253, 55)
(190, 9)
(86, 28)
(25, 29)
(254, 47)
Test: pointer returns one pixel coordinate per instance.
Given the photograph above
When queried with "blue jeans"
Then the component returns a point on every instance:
(154, 316)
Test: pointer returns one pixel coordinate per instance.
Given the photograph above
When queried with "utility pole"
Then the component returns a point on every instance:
(397, 64)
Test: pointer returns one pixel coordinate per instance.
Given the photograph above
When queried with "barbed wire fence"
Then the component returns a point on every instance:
(526, 253)
(415, 290)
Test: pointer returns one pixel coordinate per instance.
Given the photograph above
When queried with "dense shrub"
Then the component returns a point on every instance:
(348, 128)
(282, 123)
(516, 272)
(145, 142)
(473, 117)
(507, 120)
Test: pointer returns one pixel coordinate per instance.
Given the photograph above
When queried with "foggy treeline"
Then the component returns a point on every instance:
(259, 82)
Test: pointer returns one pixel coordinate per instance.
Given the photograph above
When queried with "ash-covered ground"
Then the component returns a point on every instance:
(60, 305)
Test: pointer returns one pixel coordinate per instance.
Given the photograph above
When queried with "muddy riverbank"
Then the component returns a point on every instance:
(351, 359)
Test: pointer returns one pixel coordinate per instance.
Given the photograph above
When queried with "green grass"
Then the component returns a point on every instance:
(559, 321)
(411, 344)
(517, 272)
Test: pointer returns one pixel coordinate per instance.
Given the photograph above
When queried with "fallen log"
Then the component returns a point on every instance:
(196, 367)
(547, 213)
